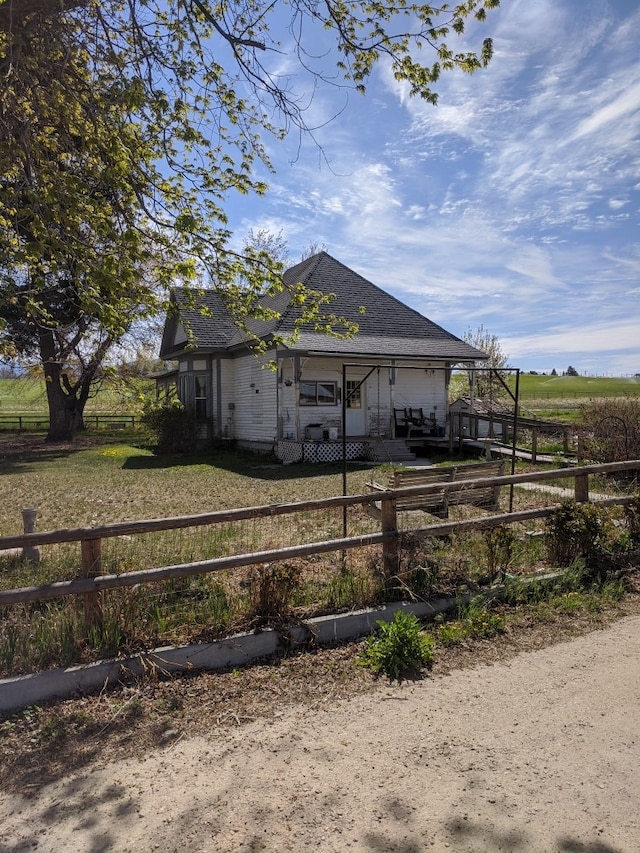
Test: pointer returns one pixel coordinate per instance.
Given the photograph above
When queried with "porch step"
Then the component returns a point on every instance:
(391, 450)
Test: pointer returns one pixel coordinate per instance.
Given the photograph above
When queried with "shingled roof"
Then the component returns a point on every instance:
(387, 327)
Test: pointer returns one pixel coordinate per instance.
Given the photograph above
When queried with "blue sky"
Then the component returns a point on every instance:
(514, 204)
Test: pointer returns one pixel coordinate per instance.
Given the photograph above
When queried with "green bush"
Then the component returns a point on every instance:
(399, 648)
(577, 531)
(173, 426)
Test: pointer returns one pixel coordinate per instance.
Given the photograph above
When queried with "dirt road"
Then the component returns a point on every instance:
(540, 753)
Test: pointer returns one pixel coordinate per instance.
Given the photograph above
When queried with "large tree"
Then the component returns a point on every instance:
(125, 125)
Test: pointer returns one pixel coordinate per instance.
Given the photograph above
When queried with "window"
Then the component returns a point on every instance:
(318, 394)
(200, 396)
(192, 393)
(354, 393)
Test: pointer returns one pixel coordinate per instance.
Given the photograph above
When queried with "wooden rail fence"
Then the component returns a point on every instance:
(485, 427)
(90, 580)
(22, 423)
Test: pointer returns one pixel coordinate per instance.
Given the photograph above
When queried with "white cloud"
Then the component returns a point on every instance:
(588, 339)
(514, 203)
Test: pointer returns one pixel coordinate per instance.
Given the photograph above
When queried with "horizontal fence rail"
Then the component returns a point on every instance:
(22, 423)
(91, 580)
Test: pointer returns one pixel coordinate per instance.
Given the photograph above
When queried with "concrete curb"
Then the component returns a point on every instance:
(24, 690)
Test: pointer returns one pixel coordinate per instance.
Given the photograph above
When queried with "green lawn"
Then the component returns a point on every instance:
(108, 482)
(572, 387)
(22, 396)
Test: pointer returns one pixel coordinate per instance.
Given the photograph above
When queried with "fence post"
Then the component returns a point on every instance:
(91, 551)
(389, 523)
(29, 516)
(534, 444)
(582, 488)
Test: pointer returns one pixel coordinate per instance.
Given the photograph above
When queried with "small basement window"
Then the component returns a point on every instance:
(318, 394)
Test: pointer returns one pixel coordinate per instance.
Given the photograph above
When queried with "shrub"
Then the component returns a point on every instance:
(272, 590)
(174, 427)
(399, 648)
(499, 542)
(611, 430)
(576, 531)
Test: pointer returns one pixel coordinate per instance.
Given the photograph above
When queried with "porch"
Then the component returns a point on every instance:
(373, 449)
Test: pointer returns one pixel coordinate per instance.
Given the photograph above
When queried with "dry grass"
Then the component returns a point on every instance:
(98, 480)
(41, 745)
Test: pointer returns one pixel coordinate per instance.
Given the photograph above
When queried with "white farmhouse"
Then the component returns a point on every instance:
(299, 398)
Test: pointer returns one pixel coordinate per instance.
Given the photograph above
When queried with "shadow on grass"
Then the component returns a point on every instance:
(245, 463)
(20, 451)
(20, 462)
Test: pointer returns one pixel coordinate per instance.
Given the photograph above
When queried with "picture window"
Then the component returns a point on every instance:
(318, 394)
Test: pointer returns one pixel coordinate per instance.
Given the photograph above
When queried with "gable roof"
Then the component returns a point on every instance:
(387, 327)
(204, 319)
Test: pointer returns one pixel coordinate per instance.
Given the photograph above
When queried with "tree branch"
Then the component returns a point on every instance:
(234, 41)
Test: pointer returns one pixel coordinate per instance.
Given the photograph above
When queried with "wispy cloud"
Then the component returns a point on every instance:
(514, 203)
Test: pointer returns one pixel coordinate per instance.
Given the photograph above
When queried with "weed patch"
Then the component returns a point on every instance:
(399, 649)
(474, 621)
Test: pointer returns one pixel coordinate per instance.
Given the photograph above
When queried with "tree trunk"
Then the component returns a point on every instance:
(65, 409)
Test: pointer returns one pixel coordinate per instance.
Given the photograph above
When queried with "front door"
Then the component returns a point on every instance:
(356, 410)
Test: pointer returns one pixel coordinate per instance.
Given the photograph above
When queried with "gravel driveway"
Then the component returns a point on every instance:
(539, 753)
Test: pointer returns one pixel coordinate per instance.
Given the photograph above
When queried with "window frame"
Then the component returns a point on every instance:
(200, 398)
(315, 399)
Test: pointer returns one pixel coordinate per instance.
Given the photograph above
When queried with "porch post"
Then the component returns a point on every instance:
(389, 524)
(218, 397)
(297, 370)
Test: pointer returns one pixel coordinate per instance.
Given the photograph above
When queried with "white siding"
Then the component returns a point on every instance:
(224, 398)
(319, 370)
(254, 404)
(255, 399)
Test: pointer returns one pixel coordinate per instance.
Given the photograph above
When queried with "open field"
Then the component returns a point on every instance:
(572, 387)
(561, 397)
(27, 396)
